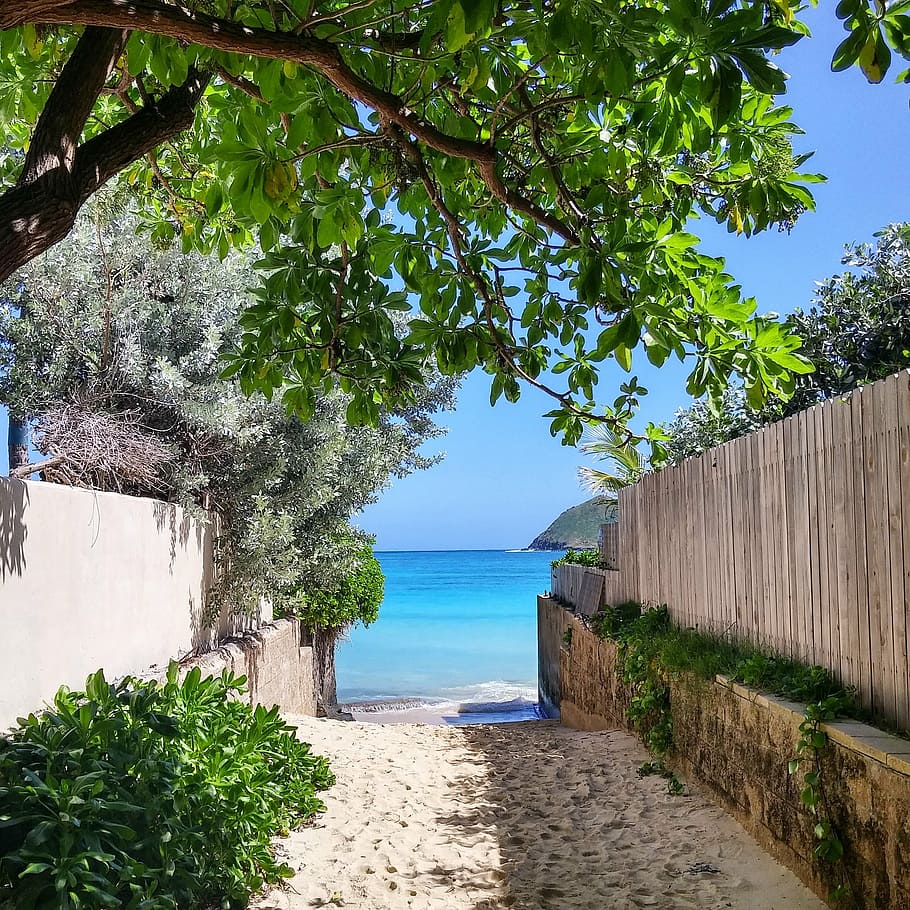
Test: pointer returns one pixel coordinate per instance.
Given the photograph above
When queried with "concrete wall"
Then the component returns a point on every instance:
(278, 670)
(552, 622)
(91, 580)
(738, 742)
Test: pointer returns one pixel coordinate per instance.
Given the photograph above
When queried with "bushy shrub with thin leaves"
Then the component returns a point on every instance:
(150, 797)
(355, 598)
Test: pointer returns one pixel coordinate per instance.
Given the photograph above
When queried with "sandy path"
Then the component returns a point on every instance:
(527, 816)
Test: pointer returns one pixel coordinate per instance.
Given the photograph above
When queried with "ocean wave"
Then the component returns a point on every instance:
(492, 697)
(493, 692)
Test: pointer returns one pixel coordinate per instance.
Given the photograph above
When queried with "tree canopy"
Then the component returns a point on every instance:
(520, 171)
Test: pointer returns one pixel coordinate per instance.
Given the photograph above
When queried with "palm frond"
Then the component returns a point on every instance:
(595, 481)
(604, 443)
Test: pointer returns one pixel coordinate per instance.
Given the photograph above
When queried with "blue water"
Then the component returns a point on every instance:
(457, 629)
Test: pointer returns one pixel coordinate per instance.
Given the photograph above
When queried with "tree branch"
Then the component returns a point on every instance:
(56, 136)
(504, 351)
(323, 56)
(105, 155)
(37, 214)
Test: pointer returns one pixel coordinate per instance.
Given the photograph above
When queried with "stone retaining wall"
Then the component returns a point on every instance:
(551, 626)
(278, 670)
(738, 742)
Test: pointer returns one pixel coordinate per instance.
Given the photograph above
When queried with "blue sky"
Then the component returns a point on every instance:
(504, 478)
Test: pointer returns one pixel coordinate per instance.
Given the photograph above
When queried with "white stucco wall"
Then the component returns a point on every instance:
(91, 580)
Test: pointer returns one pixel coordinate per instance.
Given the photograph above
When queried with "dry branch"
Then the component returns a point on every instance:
(103, 451)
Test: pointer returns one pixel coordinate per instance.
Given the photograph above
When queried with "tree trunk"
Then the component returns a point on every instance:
(60, 174)
(323, 642)
(18, 443)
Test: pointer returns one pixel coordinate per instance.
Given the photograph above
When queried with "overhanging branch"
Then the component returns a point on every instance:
(323, 56)
(36, 214)
(59, 128)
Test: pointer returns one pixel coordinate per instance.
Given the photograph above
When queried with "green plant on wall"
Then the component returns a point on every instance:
(589, 558)
(641, 668)
(651, 651)
(812, 743)
(638, 635)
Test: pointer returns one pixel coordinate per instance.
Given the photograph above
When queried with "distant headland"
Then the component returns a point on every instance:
(577, 528)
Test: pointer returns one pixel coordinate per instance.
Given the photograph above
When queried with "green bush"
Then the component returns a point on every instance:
(589, 558)
(354, 598)
(150, 797)
(611, 619)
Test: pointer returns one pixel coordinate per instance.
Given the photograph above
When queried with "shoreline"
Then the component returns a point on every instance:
(438, 711)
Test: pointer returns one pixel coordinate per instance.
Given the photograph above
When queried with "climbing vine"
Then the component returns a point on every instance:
(813, 741)
(638, 637)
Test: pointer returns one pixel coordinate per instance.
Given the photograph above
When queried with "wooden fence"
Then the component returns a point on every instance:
(796, 537)
(608, 544)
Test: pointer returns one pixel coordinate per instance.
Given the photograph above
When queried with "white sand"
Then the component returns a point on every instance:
(530, 816)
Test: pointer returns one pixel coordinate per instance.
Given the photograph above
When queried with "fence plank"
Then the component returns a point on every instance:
(844, 544)
(902, 644)
(863, 617)
(830, 657)
(894, 533)
(876, 546)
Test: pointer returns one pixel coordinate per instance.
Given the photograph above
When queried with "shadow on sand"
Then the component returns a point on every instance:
(577, 827)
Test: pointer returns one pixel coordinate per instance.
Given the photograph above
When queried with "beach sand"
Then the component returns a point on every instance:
(529, 816)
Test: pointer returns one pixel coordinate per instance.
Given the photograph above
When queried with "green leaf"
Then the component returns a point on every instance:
(875, 57)
(457, 35)
(214, 199)
(848, 51)
(623, 357)
(35, 869)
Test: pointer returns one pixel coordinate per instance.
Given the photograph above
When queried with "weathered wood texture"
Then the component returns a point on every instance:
(609, 545)
(796, 537)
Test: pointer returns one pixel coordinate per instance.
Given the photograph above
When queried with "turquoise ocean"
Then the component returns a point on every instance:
(457, 633)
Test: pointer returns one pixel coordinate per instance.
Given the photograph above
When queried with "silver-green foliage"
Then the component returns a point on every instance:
(123, 327)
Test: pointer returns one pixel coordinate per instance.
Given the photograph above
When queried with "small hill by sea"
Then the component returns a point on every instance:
(578, 527)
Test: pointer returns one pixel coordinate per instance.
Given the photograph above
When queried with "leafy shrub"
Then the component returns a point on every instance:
(356, 597)
(150, 797)
(706, 655)
(589, 558)
(611, 619)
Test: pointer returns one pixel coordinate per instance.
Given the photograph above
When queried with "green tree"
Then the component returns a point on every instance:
(705, 424)
(126, 337)
(857, 331)
(520, 171)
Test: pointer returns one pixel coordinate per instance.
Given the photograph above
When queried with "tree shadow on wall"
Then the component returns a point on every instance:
(14, 501)
(166, 519)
